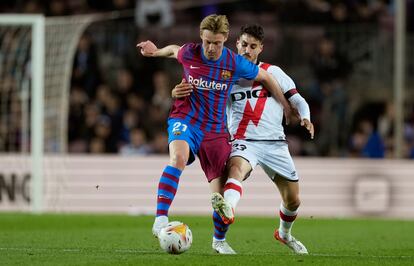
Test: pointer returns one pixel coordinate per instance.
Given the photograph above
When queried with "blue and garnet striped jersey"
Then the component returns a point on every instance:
(212, 82)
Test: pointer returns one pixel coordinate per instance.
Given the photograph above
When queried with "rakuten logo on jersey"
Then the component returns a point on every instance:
(206, 84)
(241, 95)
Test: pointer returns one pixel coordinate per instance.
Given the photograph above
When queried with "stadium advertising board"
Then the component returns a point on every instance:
(115, 184)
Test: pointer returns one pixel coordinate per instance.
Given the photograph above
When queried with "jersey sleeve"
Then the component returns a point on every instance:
(181, 53)
(287, 84)
(245, 69)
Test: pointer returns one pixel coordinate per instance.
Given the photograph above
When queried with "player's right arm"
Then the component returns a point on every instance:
(149, 49)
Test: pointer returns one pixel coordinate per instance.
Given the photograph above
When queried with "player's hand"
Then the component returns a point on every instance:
(182, 90)
(148, 48)
(308, 125)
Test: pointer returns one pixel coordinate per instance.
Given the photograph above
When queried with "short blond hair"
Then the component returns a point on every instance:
(216, 24)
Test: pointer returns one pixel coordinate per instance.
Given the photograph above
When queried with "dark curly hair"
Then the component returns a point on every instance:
(254, 30)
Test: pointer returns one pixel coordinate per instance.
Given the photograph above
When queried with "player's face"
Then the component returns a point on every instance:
(249, 47)
(212, 44)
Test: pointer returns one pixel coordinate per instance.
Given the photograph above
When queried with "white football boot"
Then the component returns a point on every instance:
(222, 207)
(293, 244)
(222, 247)
(159, 223)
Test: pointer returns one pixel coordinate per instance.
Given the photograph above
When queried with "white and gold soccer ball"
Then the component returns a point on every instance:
(175, 238)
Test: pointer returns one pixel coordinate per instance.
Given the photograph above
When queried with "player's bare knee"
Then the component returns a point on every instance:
(292, 204)
(178, 160)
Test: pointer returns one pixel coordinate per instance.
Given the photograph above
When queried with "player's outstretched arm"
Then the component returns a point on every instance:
(182, 90)
(274, 87)
(149, 49)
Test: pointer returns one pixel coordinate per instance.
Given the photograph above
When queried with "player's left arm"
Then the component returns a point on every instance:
(275, 89)
(304, 112)
(301, 107)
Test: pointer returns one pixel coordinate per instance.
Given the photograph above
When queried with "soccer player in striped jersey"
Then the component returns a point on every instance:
(197, 124)
(255, 124)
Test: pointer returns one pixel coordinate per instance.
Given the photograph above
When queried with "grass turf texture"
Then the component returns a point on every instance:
(127, 240)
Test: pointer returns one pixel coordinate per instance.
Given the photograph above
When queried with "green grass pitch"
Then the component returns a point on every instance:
(126, 240)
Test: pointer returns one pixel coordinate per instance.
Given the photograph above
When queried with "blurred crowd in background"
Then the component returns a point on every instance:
(119, 100)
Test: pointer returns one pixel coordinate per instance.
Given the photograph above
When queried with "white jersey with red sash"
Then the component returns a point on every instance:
(252, 113)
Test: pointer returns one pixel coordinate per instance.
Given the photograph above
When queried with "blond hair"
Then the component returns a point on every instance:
(216, 24)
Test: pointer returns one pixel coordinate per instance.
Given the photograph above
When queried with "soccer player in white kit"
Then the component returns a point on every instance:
(255, 124)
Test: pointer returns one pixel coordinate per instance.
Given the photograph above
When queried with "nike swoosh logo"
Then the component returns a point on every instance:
(194, 67)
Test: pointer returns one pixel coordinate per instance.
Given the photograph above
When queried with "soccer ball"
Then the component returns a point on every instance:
(175, 238)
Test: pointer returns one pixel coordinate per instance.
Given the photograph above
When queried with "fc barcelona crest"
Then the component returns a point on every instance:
(225, 74)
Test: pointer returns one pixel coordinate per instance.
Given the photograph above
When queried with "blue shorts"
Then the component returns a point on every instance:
(179, 129)
(213, 149)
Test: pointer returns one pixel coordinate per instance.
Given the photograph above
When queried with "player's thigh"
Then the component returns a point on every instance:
(275, 159)
(213, 154)
(179, 132)
(243, 159)
(246, 150)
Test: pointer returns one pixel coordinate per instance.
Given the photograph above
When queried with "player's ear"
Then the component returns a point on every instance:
(261, 47)
(226, 36)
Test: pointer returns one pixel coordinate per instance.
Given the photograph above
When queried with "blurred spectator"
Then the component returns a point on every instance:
(328, 64)
(97, 146)
(137, 144)
(85, 66)
(159, 144)
(121, 4)
(125, 85)
(367, 142)
(369, 10)
(77, 104)
(130, 120)
(328, 99)
(134, 93)
(78, 6)
(103, 131)
(162, 91)
(386, 126)
(32, 7)
(57, 8)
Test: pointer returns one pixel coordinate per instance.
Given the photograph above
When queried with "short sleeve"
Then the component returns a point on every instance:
(181, 53)
(246, 69)
(284, 80)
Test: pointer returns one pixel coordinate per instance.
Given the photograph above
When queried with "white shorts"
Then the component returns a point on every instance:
(272, 156)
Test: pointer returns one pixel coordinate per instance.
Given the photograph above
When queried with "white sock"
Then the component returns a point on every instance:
(232, 191)
(287, 218)
(218, 240)
(161, 220)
